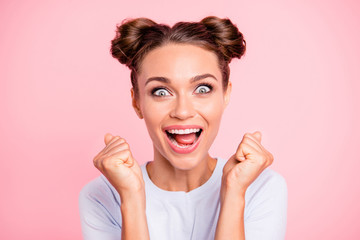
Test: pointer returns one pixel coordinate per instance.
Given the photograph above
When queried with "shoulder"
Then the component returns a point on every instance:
(98, 200)
(267, 194)
(99, 210)
(270, 179)
(99, 189)
(266, 207)
(268, 184)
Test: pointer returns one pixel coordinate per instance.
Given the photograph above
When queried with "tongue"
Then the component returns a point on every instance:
(185, 138)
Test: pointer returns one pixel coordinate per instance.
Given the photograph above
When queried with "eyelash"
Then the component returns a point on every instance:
(158, 88)
(201, 84)
(210, 86)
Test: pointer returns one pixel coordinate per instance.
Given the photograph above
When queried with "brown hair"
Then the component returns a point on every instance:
(136, 37)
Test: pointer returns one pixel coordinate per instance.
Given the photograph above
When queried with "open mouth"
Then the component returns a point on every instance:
(183, 140)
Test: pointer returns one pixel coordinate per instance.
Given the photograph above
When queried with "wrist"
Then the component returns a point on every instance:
(133, 209)
(232, 190)
(132, 192)
(233, 198)
(133, 206)
(132, 196)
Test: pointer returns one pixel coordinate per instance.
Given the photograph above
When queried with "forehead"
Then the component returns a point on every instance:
(178, 62)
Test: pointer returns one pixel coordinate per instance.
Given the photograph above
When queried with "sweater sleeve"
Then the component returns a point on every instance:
(99, 212)
(266, 210)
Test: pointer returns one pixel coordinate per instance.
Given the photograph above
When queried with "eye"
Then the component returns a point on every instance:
(202, 89)
(160, 92)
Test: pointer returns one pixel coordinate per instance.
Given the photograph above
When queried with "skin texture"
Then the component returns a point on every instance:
(182, 105)
(181, 101)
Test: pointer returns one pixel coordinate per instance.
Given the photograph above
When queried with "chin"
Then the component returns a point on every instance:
(186, 162)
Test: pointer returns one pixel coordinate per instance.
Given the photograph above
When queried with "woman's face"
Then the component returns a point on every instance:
(181, 99)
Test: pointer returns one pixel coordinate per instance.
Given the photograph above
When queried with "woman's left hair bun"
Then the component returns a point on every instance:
(227, 36)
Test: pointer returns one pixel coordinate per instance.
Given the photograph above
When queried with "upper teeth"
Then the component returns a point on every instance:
(183, 131)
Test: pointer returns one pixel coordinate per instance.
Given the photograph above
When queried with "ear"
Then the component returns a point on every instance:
(228, 93)
(135, 104)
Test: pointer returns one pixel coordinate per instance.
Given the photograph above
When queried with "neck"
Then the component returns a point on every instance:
(167, 177)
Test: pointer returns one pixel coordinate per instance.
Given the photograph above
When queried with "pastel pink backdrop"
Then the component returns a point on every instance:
(61, 91)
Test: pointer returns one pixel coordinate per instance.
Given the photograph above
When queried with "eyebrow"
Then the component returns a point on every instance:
(193, 79)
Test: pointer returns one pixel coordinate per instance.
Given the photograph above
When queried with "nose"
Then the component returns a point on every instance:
(183, 108)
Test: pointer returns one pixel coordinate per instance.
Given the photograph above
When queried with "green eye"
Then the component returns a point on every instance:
(202, 89)
(161, 92)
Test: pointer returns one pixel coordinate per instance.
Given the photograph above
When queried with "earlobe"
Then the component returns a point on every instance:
(135, 104)
(228, 93)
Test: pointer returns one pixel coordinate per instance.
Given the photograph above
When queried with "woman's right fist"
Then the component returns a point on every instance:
(117, 164)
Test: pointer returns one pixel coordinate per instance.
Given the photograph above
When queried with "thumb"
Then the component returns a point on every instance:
(257, 135)
(107, 138)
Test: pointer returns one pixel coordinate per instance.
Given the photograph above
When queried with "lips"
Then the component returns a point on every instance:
(183, 138)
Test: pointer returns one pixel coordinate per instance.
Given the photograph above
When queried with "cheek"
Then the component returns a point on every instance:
(212, 110)
(154, 113)
(153, 110)
(212, 114)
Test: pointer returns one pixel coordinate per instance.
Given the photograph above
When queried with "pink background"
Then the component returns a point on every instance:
(61, 91)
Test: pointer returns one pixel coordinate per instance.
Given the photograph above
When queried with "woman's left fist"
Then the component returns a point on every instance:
(250, 159)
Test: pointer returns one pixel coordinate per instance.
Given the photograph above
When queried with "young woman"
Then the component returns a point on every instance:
(180, 79)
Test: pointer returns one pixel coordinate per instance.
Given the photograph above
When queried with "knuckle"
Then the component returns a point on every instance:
(271, 158)
(118, 138)
(115, 138)
(248, 141)
(263, 159)
(106, 163)
(96, 161)
(268, 161)
(107, 154)
(245, 145)
(125, 145)
(247, 135)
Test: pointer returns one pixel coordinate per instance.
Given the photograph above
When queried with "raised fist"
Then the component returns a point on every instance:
(117, 164)
(250, 159)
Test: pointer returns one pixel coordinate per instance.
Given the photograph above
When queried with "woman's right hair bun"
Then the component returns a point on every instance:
(227, 36)
(128, 39)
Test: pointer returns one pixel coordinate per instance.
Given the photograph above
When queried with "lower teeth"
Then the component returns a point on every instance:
(178, 145)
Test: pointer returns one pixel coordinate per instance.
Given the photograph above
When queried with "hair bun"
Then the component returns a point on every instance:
(128, 39)
(227, 36)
